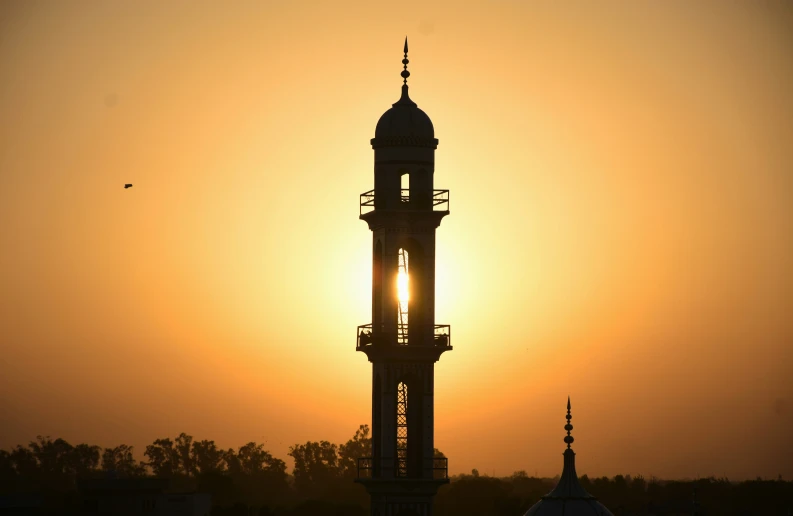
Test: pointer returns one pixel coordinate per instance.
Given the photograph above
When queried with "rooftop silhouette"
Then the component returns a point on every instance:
(568, 498)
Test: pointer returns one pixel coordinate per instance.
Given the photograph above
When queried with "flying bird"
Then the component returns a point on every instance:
(127, 185)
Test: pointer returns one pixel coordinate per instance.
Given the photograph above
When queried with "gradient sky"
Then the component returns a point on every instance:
(621, 225)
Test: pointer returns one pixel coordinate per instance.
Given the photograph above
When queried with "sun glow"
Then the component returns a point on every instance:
(403, 292)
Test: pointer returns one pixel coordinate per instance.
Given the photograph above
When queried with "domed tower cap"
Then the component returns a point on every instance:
(404, 125)
(568, 498)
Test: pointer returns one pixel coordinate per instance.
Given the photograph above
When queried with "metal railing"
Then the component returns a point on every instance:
(367, 201)
(440, 198)
(366, 336)
(440, 467)
(439, 201)
(442, 335)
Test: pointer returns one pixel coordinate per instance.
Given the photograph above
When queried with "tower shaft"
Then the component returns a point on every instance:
(402, 341)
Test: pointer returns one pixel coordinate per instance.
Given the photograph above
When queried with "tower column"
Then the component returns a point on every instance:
(401, 342)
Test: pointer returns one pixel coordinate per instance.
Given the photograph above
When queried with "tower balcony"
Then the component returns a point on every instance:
(438, 467)
(396, 344)
(366, 336)
(438, 202)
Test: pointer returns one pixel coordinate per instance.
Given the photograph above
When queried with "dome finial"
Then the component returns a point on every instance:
(405, 74)
(569, 439)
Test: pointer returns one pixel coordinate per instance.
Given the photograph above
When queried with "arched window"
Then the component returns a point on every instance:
(409, 430)
(404, 184)
(414, 298)
(403, 296)
(402, 430)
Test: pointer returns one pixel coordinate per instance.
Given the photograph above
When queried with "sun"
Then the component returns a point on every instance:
(403, 292)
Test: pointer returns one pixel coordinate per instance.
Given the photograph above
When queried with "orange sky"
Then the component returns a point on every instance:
(621, 225)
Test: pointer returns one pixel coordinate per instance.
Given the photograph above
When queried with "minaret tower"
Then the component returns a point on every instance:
(403, 342)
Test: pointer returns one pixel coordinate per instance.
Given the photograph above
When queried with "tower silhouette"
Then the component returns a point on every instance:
(403, 342)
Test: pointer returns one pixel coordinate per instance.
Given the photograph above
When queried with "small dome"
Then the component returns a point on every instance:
(549, 507)
(404, 120)
(568, 498)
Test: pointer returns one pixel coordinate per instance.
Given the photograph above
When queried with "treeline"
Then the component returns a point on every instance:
(249, 476)
(250, 480)
(624, 495)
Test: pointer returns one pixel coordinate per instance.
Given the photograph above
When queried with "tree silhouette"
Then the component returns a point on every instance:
(475, 494)
(250, 480)
(259, 477)
(316, 463)
(56, 469)
(85, 459)
(8, 475)
(207, 457)
(253, 459)
(183, 447)
(121, 460)
(24, 461)
(163, 458)
(359, 446)
(52, 456)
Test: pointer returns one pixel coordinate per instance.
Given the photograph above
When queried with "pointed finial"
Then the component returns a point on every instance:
(405, 74)
(569, 439)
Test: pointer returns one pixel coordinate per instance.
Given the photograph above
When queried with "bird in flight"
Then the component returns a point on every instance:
(127, 185)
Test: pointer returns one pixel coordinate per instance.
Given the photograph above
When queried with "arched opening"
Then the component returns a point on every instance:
(411, 293)
(415, 189)
(403, 296)
(409, 434)
(404, 189)
(402, 430)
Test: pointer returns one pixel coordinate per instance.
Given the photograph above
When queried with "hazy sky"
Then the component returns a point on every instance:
(621, 225)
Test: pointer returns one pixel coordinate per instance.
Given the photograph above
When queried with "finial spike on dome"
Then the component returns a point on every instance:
(405, 74)
(569, 439)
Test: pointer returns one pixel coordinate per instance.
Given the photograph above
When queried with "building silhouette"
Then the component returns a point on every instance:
(568, 498)
(402, 341)
(139, 496)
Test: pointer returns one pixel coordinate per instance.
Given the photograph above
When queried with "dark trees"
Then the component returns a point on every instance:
(121, 462)
(250, 480)
(163, 458)
(359, 446)
(316, 463)
(207, 458)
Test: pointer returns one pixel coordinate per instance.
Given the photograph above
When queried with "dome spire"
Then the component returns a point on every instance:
(405, 74)
(404, 100)
(568, 486)
(569, 439)
(569, 496)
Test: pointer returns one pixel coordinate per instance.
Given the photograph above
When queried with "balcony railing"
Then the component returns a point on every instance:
(440, 467)
(442, 335)
(366, 336)
(440, 201)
